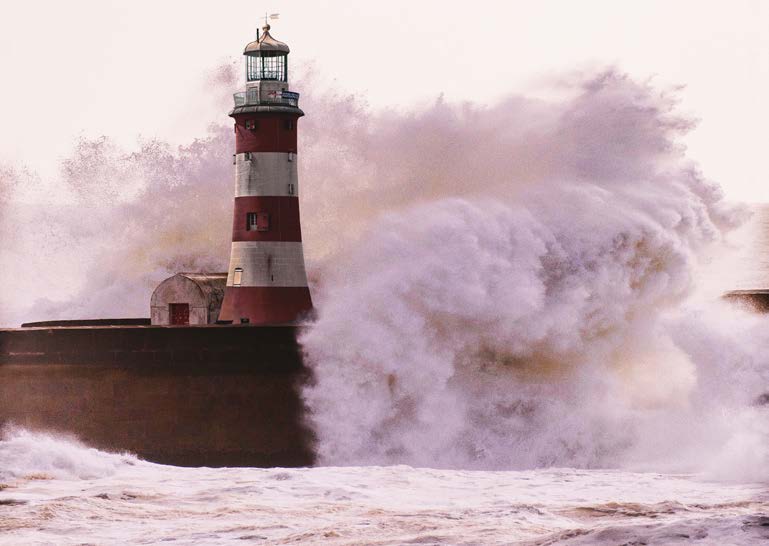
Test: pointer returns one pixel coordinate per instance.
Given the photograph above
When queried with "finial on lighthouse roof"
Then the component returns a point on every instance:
(266, 44)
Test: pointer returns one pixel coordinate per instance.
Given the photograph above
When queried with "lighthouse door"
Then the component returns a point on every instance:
(179, 313)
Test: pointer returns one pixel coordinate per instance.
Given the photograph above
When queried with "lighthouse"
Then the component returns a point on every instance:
(266, 280)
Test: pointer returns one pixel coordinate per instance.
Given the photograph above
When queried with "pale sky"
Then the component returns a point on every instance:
(138, 68)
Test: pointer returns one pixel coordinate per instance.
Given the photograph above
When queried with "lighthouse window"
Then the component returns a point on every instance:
(267, 67)
(237, 276)
(258, 221)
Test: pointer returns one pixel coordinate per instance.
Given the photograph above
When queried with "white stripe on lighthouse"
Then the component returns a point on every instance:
(266, 174)
(268, 263)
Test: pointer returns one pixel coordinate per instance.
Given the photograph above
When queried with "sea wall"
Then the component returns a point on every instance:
(199, 395)
(755, 300)
(90, 322)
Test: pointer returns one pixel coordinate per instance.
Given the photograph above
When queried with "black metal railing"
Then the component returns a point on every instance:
(284, 98)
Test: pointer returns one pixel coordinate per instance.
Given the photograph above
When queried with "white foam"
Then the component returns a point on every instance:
(123, 503)
(41, 455)
(541, 313)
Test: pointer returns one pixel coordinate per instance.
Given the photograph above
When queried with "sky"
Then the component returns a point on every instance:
(131, 69)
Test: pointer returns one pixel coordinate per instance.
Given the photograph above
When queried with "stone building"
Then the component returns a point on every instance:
(188, 298)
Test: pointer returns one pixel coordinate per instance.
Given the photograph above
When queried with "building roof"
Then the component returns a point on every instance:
(207, 282)
(208, 286)
(265, 44)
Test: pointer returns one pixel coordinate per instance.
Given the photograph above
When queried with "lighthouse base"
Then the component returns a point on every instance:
(265, 304)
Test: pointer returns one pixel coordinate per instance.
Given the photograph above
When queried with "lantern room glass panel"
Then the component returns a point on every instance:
(266, 67)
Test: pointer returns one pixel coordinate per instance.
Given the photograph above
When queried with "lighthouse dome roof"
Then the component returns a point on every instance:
(266, 44)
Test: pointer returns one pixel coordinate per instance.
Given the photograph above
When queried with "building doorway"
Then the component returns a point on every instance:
(179, 313)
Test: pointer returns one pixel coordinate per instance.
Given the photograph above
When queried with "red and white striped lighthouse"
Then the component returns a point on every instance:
(266, 281)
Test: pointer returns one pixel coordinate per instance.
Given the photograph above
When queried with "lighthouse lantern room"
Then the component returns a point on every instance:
(266, 281)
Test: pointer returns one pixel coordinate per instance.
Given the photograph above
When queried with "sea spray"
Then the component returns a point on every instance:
(533, 315)
(26, 454)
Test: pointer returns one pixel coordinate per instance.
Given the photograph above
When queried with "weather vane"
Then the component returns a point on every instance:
(270, 17)
(267, 17)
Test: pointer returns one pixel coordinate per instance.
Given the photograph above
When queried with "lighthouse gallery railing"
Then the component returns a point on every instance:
(288, 98)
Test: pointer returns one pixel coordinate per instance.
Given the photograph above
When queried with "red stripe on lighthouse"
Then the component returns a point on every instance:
(266, 304)
(266, 133)
(282, 222)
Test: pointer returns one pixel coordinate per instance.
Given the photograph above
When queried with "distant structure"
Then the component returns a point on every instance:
(266, 281)
(187, 299)
(756, 299)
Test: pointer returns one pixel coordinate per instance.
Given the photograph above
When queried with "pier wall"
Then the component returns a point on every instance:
(755, 300)
(191, 396)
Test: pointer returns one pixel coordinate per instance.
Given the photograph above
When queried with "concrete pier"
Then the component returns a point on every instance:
(190, 396)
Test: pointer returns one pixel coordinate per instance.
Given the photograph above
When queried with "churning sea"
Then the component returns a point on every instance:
(56, 491)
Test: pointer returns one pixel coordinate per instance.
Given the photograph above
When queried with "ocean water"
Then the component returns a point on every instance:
(57, 491)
